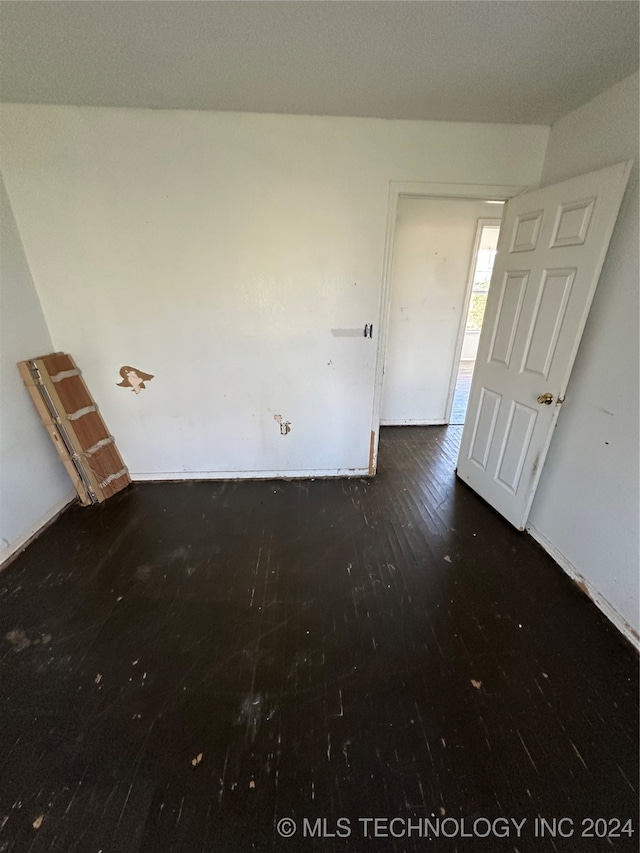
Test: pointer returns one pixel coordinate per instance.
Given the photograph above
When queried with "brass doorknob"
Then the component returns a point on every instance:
(546, 399)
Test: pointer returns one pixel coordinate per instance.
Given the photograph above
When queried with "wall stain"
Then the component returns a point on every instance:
(285, 426)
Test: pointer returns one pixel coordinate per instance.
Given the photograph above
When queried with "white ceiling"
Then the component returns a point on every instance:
(524, 61)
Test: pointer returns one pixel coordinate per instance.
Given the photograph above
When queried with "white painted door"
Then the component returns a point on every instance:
(551, 250)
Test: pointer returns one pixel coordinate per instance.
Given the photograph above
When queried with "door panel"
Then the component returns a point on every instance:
(511, 296)
(551, 251)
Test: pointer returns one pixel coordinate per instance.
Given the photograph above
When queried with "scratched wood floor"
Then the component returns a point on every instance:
(188, 664)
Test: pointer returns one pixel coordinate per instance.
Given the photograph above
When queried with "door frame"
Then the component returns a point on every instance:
(482, 221)
(415, 189)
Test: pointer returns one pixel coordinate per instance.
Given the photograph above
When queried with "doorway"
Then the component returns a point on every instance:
(484, 253)
(443, 252)
(421, 190)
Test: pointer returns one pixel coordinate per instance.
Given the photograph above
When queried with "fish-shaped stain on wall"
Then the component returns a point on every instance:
(133, 378)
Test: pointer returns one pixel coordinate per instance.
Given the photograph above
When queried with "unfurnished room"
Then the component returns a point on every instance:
(319, 426)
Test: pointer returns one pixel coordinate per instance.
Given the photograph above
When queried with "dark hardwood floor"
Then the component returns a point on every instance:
(188, 665)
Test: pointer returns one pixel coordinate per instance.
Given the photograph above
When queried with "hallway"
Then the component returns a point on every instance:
(191, 663)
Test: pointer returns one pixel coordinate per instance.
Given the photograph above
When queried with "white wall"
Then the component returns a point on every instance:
(33, 482)
(586, 509)
(218, 251)
(433, 253)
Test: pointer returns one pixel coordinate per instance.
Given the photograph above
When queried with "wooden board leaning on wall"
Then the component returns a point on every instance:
(71, 417)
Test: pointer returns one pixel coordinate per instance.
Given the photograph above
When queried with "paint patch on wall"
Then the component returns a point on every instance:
(133, 378)
(348, 333)
(285, 426)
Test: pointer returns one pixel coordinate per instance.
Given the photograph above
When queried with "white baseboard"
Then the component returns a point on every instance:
(418, 422)
(163, 476)
(608, 609)
(9, 551)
